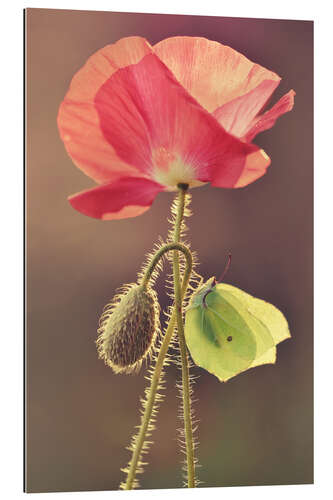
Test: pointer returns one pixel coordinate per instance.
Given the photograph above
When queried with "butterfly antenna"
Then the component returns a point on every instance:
(226, 269)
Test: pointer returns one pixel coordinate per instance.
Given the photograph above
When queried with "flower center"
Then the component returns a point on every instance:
(170, 170)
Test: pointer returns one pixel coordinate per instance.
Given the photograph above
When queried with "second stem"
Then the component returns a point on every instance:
(186, 390)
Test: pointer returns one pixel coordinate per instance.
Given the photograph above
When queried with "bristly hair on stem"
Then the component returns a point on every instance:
(139, 444)
(180, 208)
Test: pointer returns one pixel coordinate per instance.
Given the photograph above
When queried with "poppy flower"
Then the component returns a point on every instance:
(140, 119)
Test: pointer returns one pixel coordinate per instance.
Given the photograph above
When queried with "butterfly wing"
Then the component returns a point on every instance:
(218, 338)
(268, 314)
(231, 331)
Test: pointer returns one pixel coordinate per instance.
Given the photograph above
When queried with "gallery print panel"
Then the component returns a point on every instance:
(169, 179)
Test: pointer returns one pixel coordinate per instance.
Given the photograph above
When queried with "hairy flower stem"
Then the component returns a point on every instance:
(182, 344)
(179, 247)
(156, 376)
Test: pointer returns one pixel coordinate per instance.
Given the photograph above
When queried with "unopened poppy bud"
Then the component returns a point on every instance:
(128, 328)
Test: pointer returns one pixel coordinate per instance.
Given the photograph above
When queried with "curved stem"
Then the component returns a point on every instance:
(186, 391)
(156, 376)
(159, 254)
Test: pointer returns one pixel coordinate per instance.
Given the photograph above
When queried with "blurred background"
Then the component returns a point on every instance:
(256, 429)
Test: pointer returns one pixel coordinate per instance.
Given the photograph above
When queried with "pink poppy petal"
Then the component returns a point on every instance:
(155, 125)
(212, 73)
(78, 120)
(126, 197)
(267, 120)
(236, 115)
(253, 167)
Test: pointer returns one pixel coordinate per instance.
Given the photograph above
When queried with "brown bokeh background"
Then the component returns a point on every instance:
(257, 428)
